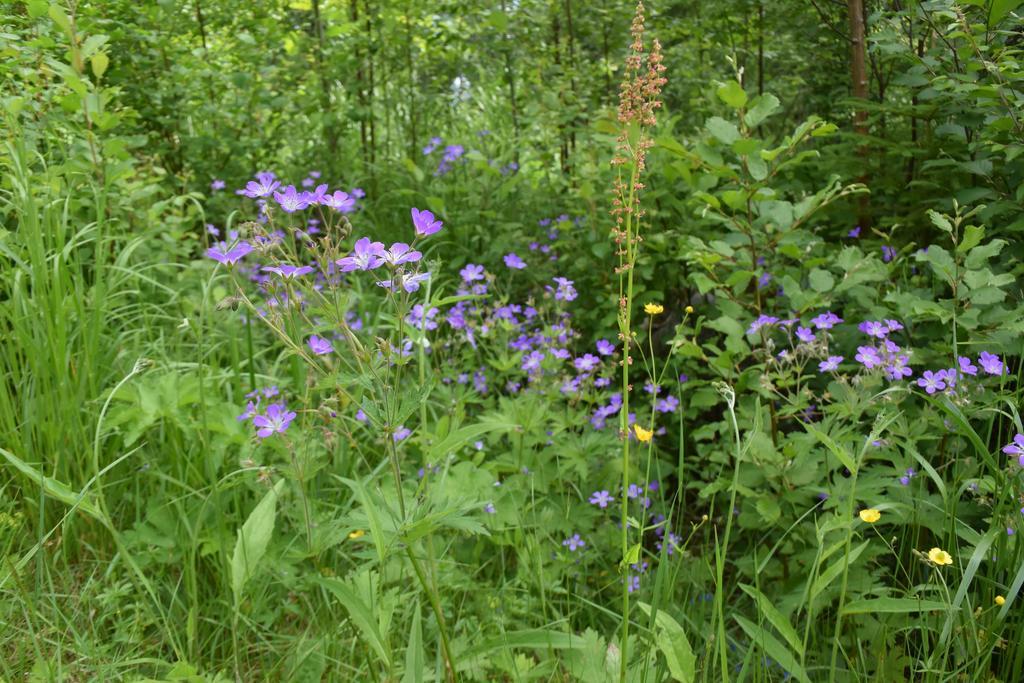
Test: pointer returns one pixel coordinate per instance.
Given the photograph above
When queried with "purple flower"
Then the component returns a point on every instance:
(605, 347)
(217, 184)
(290, 200)
(893, 325)
(667, 405)
(804, 334)
(339, 201)
(897, 368)
(531, 361)
(513, 261)
(826, 321)
(565, 291)
(762, 320)
(932, 382)
(263, 186)
(401, 433)
(366, 255)
(489, 509)
(634, 490)
(400, 253)
(990, 363)
(966, 367)
(317, 196)
(289, 272)
(874, 328)
(276, 420)
(410, 283)
(869, 356)
(854, 233)
(472, 272)
(573, 543)
(586, 363)
(1016, 447)
(230, 256)
(888, 253)
(319, 345)
(600, 499)
(420, 317)
(684, 378)
(634, 583)
(424, 223)
(830, 364)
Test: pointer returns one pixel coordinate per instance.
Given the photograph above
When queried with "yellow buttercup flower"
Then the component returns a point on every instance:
(939, 557)
(689, 309)
(653, 309)
(870, 515)
(1000, 600)
(642, 435)
(358, 533)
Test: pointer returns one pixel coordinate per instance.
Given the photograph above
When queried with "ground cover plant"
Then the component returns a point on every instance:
(525, 340)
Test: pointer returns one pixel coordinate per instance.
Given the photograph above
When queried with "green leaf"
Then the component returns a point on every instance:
(821, 280)
(361, 615)
(732, 93)
(761, 107)
(980, 551)
(253, 538)
(973, 234)
(414, 661)
(893, 606)
(940, 221)
(776, 618)
(724, 131)
(835, 569)
(773, 648)
(671, 640)
(844, 457)
(54, 488)
(768, 508)
(532, 639)
(1001, 8)
(99, 63)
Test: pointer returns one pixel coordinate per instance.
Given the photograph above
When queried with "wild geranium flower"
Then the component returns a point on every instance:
(939, 557)
(316, 196)
(401, 433)
(907, 476)
(289, 272)
(642, 435)
(366, 255)
(291, 200)
(229, 257)
(409, 282)
(587, 362)
(339, 201)
(868, 356)
(1016, 447)
(319, 345)
(854, 233)
(931, 382)
(263, 186)
(573, 543)
(831, 364)
(888, 253)
(966, 366)
(531, 361)
(512, 260)
(275, 421)
(893, 325)
(424, 223)
(601, 499)
(653, 309)
(897, 369)
(870, 515)
(826, 321)
(873, 328)
(761, 321)
(990, 363)
(565, 290)
(472, 272)
(805, 335)
(605, 347)
(217, 184)
(667, 404)
(400, 253)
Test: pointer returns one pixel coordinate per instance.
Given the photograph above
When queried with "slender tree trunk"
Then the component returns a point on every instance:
(859, 77)
(510, 76)
(202, 24)
(372, 86)
(760, 47)
(330, 131)
(360, 93)
(411, 95)
(571, 53)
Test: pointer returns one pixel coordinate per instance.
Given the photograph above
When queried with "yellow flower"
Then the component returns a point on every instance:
(358, 533)
(1000, 600)
(642, 435)
(653, 309)
(689, 309)
(870, 515)
(939, 557)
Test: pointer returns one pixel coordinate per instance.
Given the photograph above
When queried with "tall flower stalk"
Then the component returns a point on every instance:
(639, 97)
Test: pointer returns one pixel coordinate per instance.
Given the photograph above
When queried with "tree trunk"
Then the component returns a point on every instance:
(859, 77)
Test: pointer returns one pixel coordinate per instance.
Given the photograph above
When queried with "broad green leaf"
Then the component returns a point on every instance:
(1000, 9)
(761, 107)
(724, 131)
(360, 613)
(732, 93)
(253, 538)
(673, 643)
(973, 234)
(773, 648)
(821, 280)
(414, 660)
